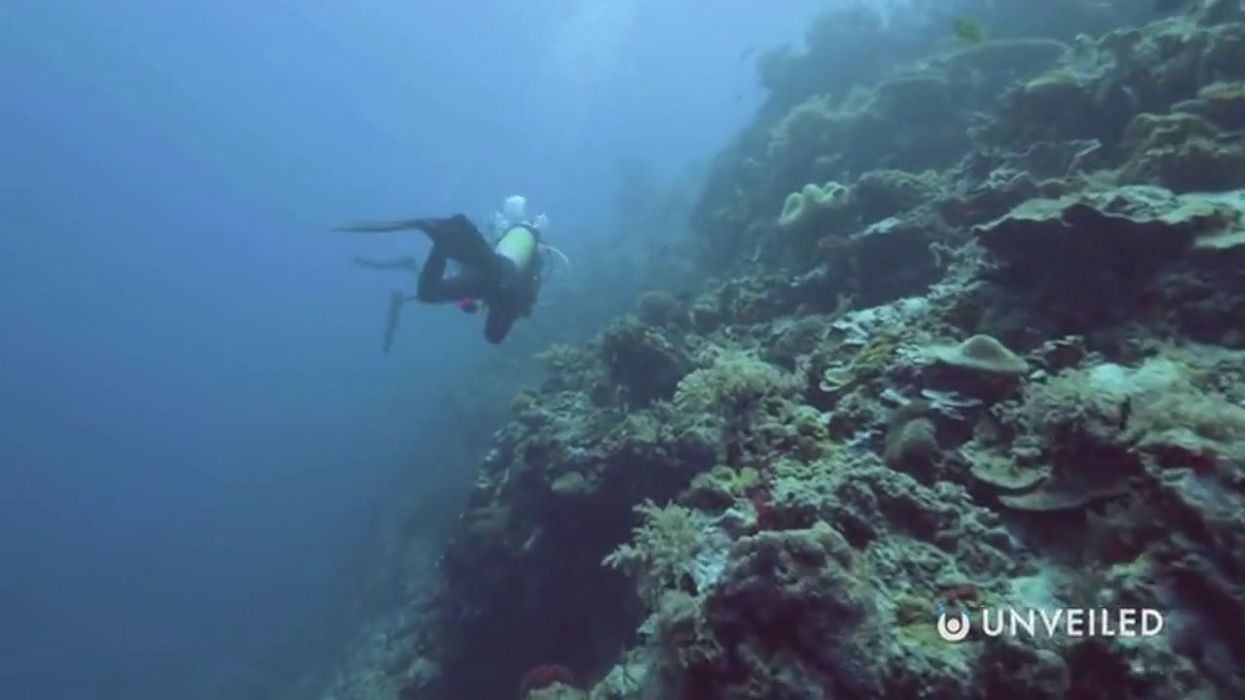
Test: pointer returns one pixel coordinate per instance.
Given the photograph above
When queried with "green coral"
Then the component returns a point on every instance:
(735, 380)
(1130, 417)
(798, 430)
(744, 480)
(680, 638)
(666, 539)
(720, 487)
(1132, 405)
(870, 362)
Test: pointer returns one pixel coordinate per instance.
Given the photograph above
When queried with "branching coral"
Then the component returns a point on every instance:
(660, 550)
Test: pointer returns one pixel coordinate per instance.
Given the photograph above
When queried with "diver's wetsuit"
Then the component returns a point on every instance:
(506, 290)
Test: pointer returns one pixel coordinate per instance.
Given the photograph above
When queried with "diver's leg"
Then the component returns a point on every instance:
(456, 236)
(435, 287)
(432, 279)
(498, 323)
(460, 240)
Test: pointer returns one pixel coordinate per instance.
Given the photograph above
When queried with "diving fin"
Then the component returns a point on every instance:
(380, 226)
(398, 264)
(396, 301)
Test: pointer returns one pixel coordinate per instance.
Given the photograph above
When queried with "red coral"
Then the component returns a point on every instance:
(964, 594)
(544, 676)
(760, 498)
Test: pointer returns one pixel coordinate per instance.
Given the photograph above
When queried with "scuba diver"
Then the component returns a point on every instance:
(504, 276)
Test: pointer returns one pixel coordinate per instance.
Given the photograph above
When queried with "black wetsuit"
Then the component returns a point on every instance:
(507, 291)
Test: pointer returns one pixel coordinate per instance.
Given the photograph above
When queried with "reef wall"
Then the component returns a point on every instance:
(975, 340)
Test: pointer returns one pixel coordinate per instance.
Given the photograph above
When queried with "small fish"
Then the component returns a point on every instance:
(968, 30)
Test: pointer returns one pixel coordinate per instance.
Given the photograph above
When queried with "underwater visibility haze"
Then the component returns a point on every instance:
(198, 422)
(622, 349)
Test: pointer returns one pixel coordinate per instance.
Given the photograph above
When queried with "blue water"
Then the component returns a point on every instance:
(196, 423)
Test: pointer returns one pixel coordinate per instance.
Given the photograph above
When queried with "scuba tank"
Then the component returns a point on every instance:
(519, 245)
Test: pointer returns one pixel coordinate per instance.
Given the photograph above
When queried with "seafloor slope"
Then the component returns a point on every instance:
(977, 339)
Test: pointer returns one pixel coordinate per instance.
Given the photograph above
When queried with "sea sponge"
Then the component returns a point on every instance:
(812, 205)
(796, 594)
(570, 485)
(911, 440)
(658, 307)
(718, 489)
(642, 359)
(981, 353)
(794, 209)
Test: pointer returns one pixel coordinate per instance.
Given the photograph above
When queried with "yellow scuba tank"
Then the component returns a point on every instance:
(518, 244)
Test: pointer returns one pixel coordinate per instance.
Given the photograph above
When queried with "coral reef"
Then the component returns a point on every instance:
(965, 302)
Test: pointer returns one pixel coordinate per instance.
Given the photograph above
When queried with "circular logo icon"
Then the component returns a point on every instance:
(953, 628)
